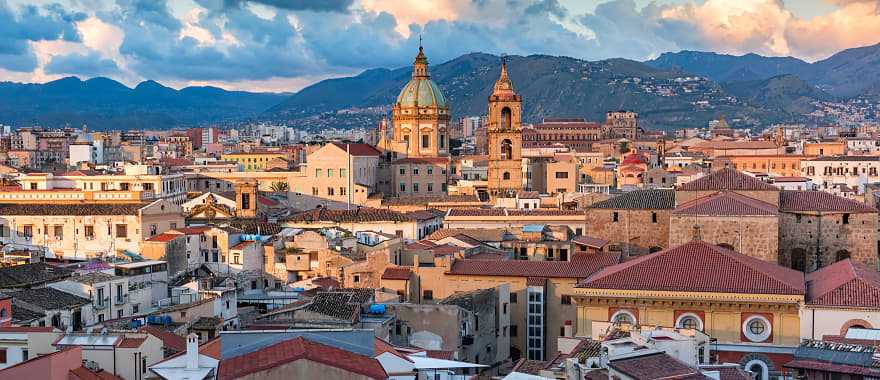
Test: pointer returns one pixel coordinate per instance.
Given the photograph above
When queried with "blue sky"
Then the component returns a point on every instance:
(283, 45)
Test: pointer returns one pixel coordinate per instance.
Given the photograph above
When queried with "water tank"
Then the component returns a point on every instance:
(377, 309)
(299, 289)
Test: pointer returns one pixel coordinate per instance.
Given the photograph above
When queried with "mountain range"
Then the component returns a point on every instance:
(103, 103)
(681, 89)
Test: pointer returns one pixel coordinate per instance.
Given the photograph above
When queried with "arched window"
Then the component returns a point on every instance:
(842, 255)
(757, 328)
(505, 118)
(798, 259)
(506, 149)
(506, 175)
(689, 321)
(623, 317)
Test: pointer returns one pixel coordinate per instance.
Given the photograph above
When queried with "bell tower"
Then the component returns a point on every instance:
(504, 137)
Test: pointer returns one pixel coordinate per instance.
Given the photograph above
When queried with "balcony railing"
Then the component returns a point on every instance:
(102, 304)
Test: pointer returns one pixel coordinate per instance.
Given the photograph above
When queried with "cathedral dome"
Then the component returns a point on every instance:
(421, 91)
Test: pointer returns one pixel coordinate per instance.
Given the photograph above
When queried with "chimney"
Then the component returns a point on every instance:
(568, 330)
(192, 351)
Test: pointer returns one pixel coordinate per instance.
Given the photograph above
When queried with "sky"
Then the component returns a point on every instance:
(285, 45)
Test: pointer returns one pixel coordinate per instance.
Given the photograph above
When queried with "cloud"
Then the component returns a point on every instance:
(856, 23)
(20, 27)
(87, 65)
(298, 5)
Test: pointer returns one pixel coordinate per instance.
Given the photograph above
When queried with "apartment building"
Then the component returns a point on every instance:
(148, 180)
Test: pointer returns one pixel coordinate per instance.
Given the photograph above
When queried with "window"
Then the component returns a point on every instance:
(428, 295)
(330, 191)
(415, 170)
(615, 217)
(357, 278)
(402, 187)
(506, 176)
(757, 329)
(329, 173)
(565, 299)
(3, 355)
(415, 187)
(430, 187)
(514, 331)
(314, 191)
(236, 259)
(512, 297)
(426, 141)
(561, 175)
(653, 217)
(24, 354)
(318, 173)
(402, 171)
(120, 313)
(121, 231)
(101, 317)
(58, 231)
(623, 317)
(341, 190)
(845, 218)
(135, 308)
(27, 231)
(689, 321)
(153, 229)
(430, 170)
(245, 201)
(442, 141)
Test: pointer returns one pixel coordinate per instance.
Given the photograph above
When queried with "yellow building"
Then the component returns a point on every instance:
(750, 306)
(252, 161)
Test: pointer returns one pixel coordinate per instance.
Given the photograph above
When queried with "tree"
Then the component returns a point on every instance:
(280, 186)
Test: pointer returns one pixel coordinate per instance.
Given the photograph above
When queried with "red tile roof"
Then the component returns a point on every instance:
(296, 349)
(358, 149)
(165, 237)
(590, 241)
(127, 342)
(846, 284)
(397, 273)
(802, 200)
(440, 354)
(741, 144)
(194, 230)
(726, 203)
(83, 373)
(242, 245)
(361, 214)
(833, 368)
(169, 339)
(25, 329)
(578, 267)
(699, 267)
(381, 347)
(476, 212)
(727, 179)
(655, 366)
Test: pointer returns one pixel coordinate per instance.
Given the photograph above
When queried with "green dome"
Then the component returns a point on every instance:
(421, 92)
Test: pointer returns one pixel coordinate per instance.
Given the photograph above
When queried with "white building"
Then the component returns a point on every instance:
(109, 293)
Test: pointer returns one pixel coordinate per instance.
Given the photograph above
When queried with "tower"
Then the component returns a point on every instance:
(246, 199)
(504, 137)
(420, 116)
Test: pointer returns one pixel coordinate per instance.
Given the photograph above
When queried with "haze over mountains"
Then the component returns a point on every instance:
(752, 89)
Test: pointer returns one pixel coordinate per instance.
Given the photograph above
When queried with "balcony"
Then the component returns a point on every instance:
(467, 340)
(102, 304)
(120, 300)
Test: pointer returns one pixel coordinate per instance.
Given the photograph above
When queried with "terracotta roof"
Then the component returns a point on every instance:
(640, 199)
(83, 209)
(358, 149)
(165, 237)
(790, 179)
(242, 245)
(440, 354)
(421, 215)
(380, 347)
(26, 329)
(481, 234)
(296, 349)
(727, 179)
(362, 214)
(728, 371)
(170, 340)
(194, 230)
(540, 212)
(83, 373)
(490, 256)
(477, 212)
(699, 267)
(742, 144)
(726, 203)
(397, 273)
(845, 284)
(536, 281)
(590, 241)
(426, 199)
(655, 366)
(833, 368)
(127, 342)
(802, 200)
(421, 160)
(578, 267)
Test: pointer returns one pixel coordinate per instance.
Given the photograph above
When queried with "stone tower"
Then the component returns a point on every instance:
(420, 116)
(504, 137)
(246, 199)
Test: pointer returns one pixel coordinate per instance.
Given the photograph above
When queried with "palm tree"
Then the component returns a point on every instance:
(279, 186)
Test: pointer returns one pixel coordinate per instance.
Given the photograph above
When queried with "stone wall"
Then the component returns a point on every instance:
(755, 236)
(634, 226)
(800, 234)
